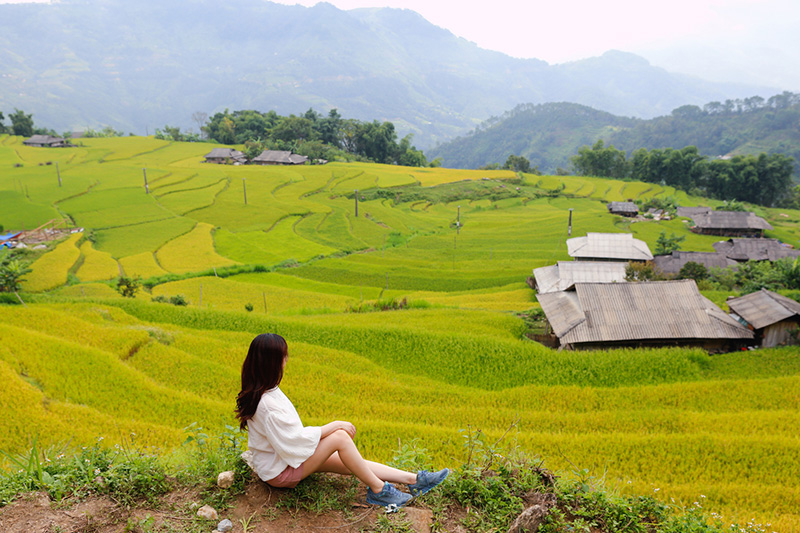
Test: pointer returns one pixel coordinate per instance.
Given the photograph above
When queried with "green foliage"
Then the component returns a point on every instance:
(21, 123)
(692, 270)
(12, 270)
(128, 287)
(203, 457)
(126, 473)
(177, 299)
(642, 271)
(601, 161)
(666, 245)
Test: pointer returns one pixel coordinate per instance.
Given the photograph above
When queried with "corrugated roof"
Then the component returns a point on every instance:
(673, 263)
(607, 312)
(618, 246)
(746, 249)
(689, 212)
(565, 274)
(729, 220)
(43, 139)
(764, 308)
(224, 153)
(623, 207)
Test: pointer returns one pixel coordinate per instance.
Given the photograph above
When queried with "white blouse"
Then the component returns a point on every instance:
(277, 437)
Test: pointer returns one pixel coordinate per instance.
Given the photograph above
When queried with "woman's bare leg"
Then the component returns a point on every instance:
(384, 472)
(347, 455)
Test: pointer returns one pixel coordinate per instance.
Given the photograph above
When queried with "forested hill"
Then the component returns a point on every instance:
(139, 65)
(549, 134)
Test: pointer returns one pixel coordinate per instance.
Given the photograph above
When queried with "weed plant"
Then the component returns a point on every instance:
(127, 474)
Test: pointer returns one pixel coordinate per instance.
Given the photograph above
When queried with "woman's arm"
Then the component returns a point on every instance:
(336, 425)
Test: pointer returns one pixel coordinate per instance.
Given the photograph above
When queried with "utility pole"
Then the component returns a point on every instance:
(244, 188)
(146, 187)
(569, 228)
(59, 175)
(356, 203)
(458, 221)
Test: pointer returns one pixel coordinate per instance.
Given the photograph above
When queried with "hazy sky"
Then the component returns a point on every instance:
(751, 41)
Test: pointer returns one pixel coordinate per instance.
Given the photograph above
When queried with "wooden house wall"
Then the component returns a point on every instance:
(778, 334)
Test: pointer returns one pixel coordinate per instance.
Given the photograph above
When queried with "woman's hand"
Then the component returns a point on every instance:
(347, 427)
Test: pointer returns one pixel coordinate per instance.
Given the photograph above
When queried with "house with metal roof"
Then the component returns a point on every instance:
(729, 223)
(626, 209)
(673, 263)
(658, 313)
(46, 141)
(689, 212)
(755, 249)
(279, 157)
(608, 247)
(774, 318)
(565, 274)
(221, 156)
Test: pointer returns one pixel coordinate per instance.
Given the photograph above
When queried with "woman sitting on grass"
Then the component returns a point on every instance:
(284, 451)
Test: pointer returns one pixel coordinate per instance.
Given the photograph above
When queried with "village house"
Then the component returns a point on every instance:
(608, 247)
(673, 263)
(625, 209)
(754, 249)
(659, 313)
(729, 224)
(221, 156)
(279, 157)
(565, 274)
(46, 141)
(775, 319)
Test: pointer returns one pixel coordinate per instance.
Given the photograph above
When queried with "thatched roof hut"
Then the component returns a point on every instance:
(608, 247)
(774, 318)
(605, 315)
(565, 274)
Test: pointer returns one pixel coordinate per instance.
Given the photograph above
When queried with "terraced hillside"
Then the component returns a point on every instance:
(79, 361)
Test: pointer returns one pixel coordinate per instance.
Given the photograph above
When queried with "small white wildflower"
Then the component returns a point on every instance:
(656, 489)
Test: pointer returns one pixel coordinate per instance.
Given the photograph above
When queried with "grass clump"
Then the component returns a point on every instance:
(125, 473)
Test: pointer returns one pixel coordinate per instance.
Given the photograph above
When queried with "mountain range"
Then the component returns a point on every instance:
(549, 134)
(136, 66)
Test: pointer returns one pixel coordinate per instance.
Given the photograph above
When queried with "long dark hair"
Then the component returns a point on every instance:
(262, 370)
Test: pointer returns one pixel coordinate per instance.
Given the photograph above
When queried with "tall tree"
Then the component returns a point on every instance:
(21, 123)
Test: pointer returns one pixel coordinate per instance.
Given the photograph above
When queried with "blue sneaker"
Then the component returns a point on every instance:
(427, 480)
(388, 496)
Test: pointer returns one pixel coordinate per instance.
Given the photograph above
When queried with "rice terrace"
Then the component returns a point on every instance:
(409, 318)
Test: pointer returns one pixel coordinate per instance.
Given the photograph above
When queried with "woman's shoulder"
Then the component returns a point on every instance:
(273, 399)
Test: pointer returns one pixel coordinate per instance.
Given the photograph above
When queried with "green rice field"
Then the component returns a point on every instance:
(79, 361)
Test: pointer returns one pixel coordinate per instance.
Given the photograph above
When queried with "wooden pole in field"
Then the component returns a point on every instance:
(59, 175)
(458, 221)
(146, 186)
(569, 228)
(244, 189)
(265, 301)
(356, 203)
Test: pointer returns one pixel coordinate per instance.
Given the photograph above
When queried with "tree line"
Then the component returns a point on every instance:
(764, 179)
(21, 124)
(312, 134)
